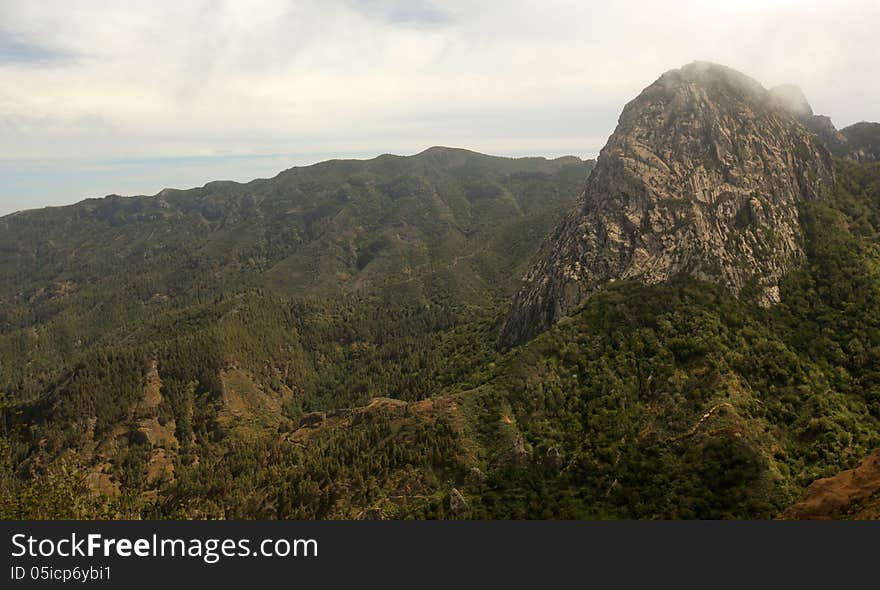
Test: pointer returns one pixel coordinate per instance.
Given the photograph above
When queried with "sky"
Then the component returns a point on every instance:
(101, 97)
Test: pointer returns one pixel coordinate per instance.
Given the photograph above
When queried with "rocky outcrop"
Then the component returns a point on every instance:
(519, 454)
(457, 503)
(702, 176)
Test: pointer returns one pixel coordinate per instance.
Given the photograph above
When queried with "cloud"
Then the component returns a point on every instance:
(415, 13)
(169, 79)
(15, 49)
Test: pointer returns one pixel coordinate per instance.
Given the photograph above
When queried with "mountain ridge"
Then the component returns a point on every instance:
(434, 152)
(324, 344)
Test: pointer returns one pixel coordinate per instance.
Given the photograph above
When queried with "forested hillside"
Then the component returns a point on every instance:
(137, 332)
(453, 335)
(676, 400)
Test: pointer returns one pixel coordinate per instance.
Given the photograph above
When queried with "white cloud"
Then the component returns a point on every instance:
(107, 80)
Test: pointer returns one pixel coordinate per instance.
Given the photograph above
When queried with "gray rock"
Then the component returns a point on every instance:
(457, 503)
(703, 176)
(520, 455)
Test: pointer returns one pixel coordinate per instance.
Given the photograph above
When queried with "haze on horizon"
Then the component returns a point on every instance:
(102, 97)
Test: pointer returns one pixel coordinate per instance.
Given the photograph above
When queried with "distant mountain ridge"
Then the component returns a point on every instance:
(863, 141)
(140, 331)
(337, 226)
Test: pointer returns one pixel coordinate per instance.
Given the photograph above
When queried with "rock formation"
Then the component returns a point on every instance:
(702, 176)
(458, 505)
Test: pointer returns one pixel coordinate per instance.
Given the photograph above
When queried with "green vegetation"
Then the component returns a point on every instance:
(863, 140)
(220, 371)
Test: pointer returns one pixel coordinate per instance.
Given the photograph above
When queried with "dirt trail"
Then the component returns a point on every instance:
(702, 420)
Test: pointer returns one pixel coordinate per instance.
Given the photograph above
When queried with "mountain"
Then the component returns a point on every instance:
(702, 176)
(698, 335)
(140, 332)
(444, 228)
(859, 142)
(864, 141)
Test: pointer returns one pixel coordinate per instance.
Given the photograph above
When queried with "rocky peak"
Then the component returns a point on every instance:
(703, 175)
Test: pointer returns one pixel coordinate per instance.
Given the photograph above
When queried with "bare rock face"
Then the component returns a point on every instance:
(703, 176)
(457, 503)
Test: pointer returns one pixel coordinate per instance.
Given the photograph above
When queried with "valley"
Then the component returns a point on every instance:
(687, 327)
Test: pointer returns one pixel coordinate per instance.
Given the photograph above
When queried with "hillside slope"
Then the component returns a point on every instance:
(324, 344)
(443, 228)
(138, 332)
(673, 400)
